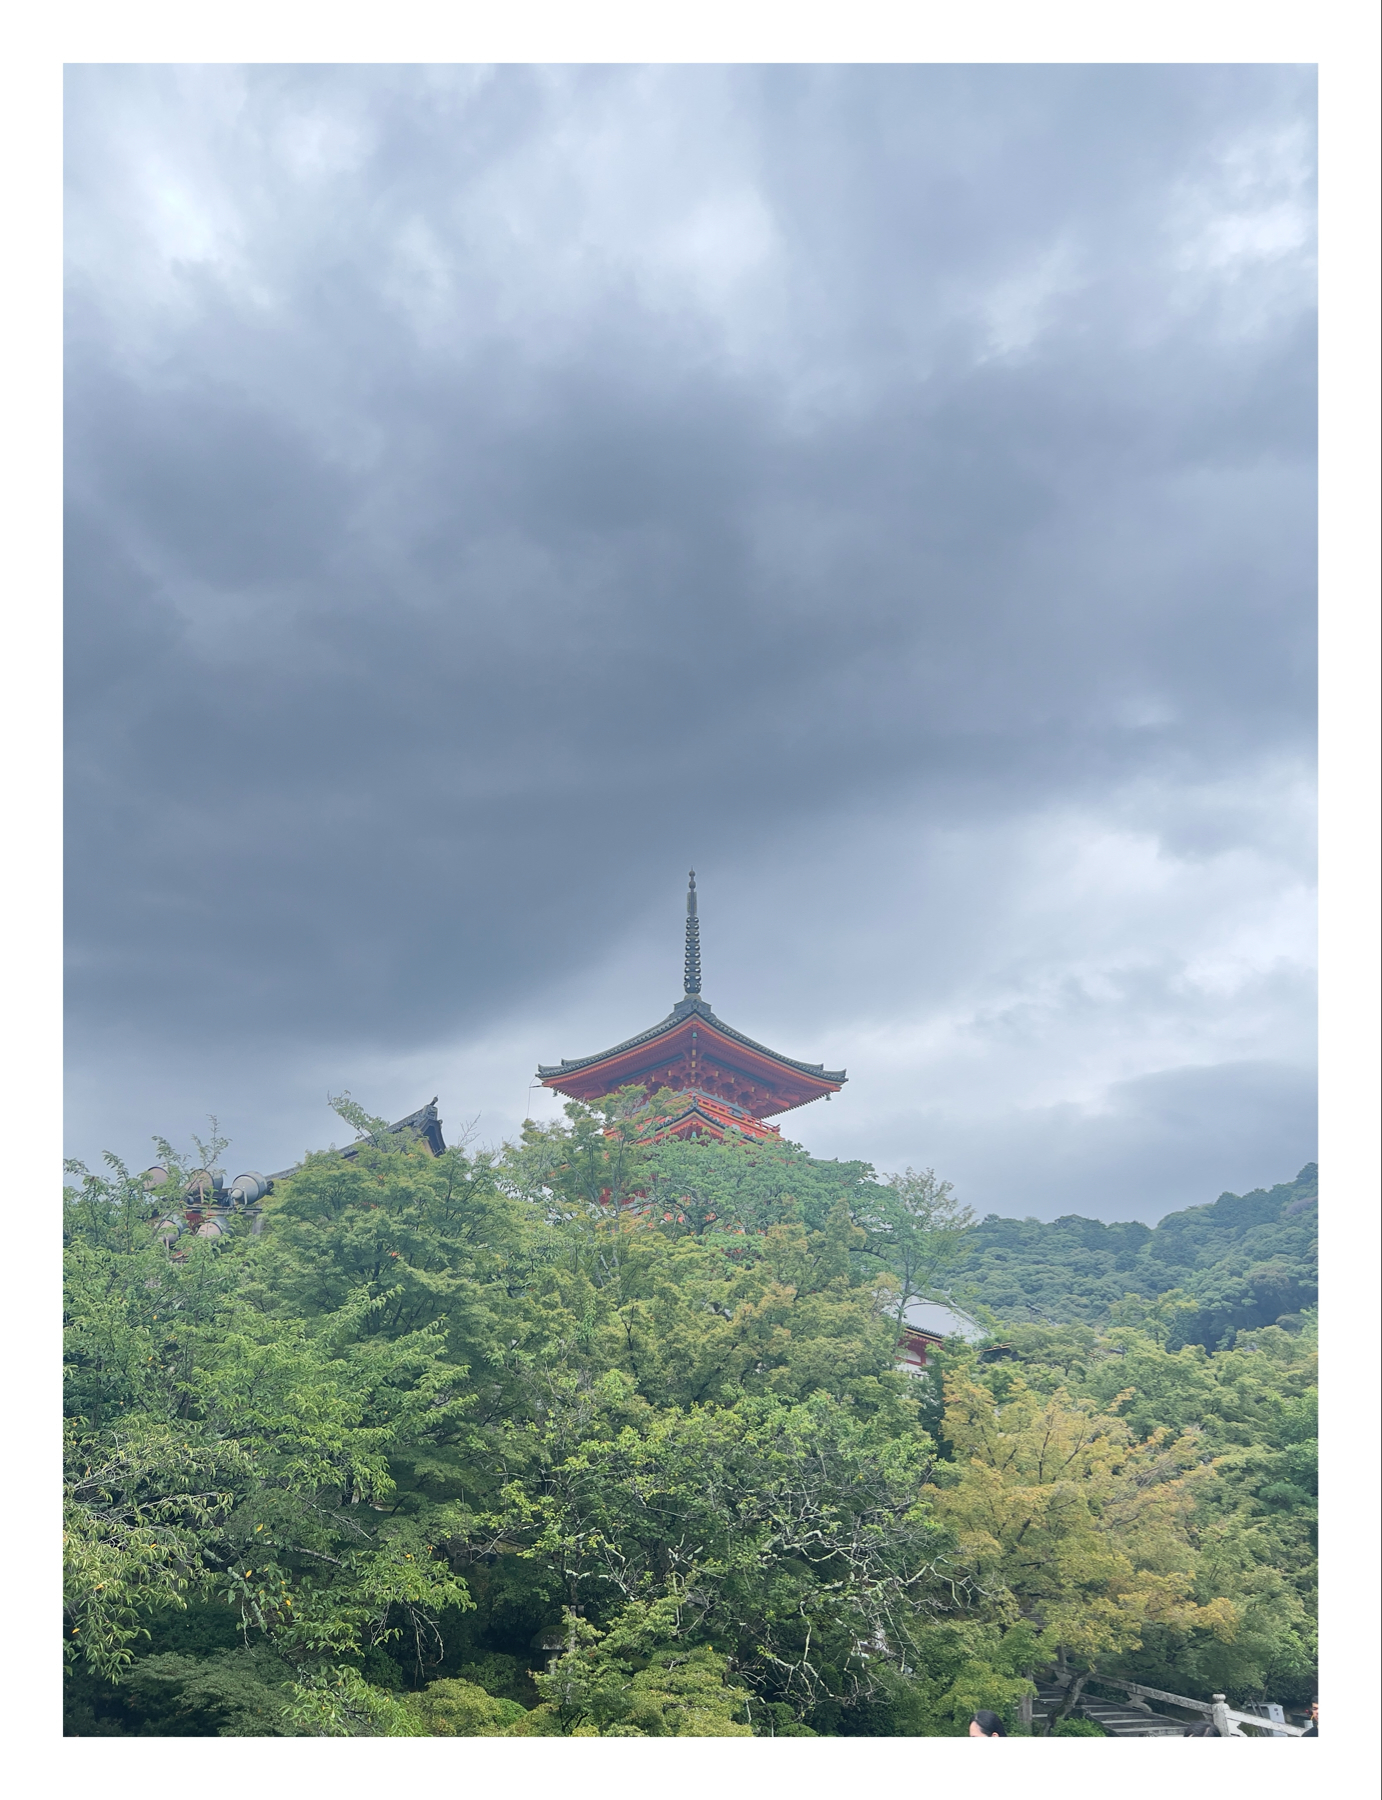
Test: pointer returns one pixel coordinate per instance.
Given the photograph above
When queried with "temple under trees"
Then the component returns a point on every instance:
(727, 1088)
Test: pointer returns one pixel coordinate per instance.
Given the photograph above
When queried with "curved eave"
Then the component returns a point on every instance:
(791, 1074)
(721, 1121)
(912, 1333)
(788, 1088)
(825, 1092)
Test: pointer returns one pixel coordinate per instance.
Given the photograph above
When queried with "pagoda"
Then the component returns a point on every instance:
(728, 1086)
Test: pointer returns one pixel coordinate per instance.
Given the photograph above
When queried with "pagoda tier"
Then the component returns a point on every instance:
(692, 1050)
(734, 1081)
(698, 1115)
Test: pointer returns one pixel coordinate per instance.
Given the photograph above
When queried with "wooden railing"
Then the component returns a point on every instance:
(1228, 1721)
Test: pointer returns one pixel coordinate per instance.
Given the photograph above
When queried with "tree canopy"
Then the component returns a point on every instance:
(1245, 1261)
(601, 1435)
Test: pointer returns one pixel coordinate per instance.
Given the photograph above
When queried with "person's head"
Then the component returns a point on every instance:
(1205, 1730)
(1315, 1709)
(986, 1724)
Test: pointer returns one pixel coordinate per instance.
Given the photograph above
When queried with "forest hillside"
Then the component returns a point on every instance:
(600, 1436)
(1245, 1261)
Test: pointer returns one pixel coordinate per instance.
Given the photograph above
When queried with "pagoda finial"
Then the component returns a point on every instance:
(692, 978)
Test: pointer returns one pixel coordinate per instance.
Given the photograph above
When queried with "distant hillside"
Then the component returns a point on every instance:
(1246, 1261)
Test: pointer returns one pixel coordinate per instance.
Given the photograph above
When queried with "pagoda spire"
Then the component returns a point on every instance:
(692, 978)
(730, 1085)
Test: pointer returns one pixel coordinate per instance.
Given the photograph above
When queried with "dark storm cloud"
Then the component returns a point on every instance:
(488, 490)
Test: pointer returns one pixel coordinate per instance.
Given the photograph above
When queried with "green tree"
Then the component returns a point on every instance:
(914, 1225)
(638, 1678)
(604, 1435)
(1071, 1523)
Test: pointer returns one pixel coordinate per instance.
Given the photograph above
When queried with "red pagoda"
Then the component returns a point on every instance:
(729, 1086)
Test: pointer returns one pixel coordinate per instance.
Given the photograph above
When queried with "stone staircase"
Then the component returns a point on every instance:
(1118, 1719)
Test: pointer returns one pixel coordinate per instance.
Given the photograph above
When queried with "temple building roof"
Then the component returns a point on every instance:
(934, 1319)
(692, 1050)
(424, 1124)
(208, 1204)
(926, 1324)
(672, 1023)
(701, 1115)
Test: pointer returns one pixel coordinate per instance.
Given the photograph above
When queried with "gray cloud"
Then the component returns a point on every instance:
(491, 491)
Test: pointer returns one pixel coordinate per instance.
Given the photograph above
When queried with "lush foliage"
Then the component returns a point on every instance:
(605, 1437)
(1246, 1261)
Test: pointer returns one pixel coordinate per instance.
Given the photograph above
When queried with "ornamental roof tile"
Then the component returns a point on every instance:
(692, 1006)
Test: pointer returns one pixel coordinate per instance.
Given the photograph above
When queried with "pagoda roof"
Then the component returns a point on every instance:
(795, 1083)
(703, 1115)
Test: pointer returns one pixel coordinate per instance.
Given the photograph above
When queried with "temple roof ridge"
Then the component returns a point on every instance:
(691, 1005)
(424, 1124)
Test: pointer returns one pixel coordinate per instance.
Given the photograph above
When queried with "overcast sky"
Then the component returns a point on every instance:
(888, 490)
